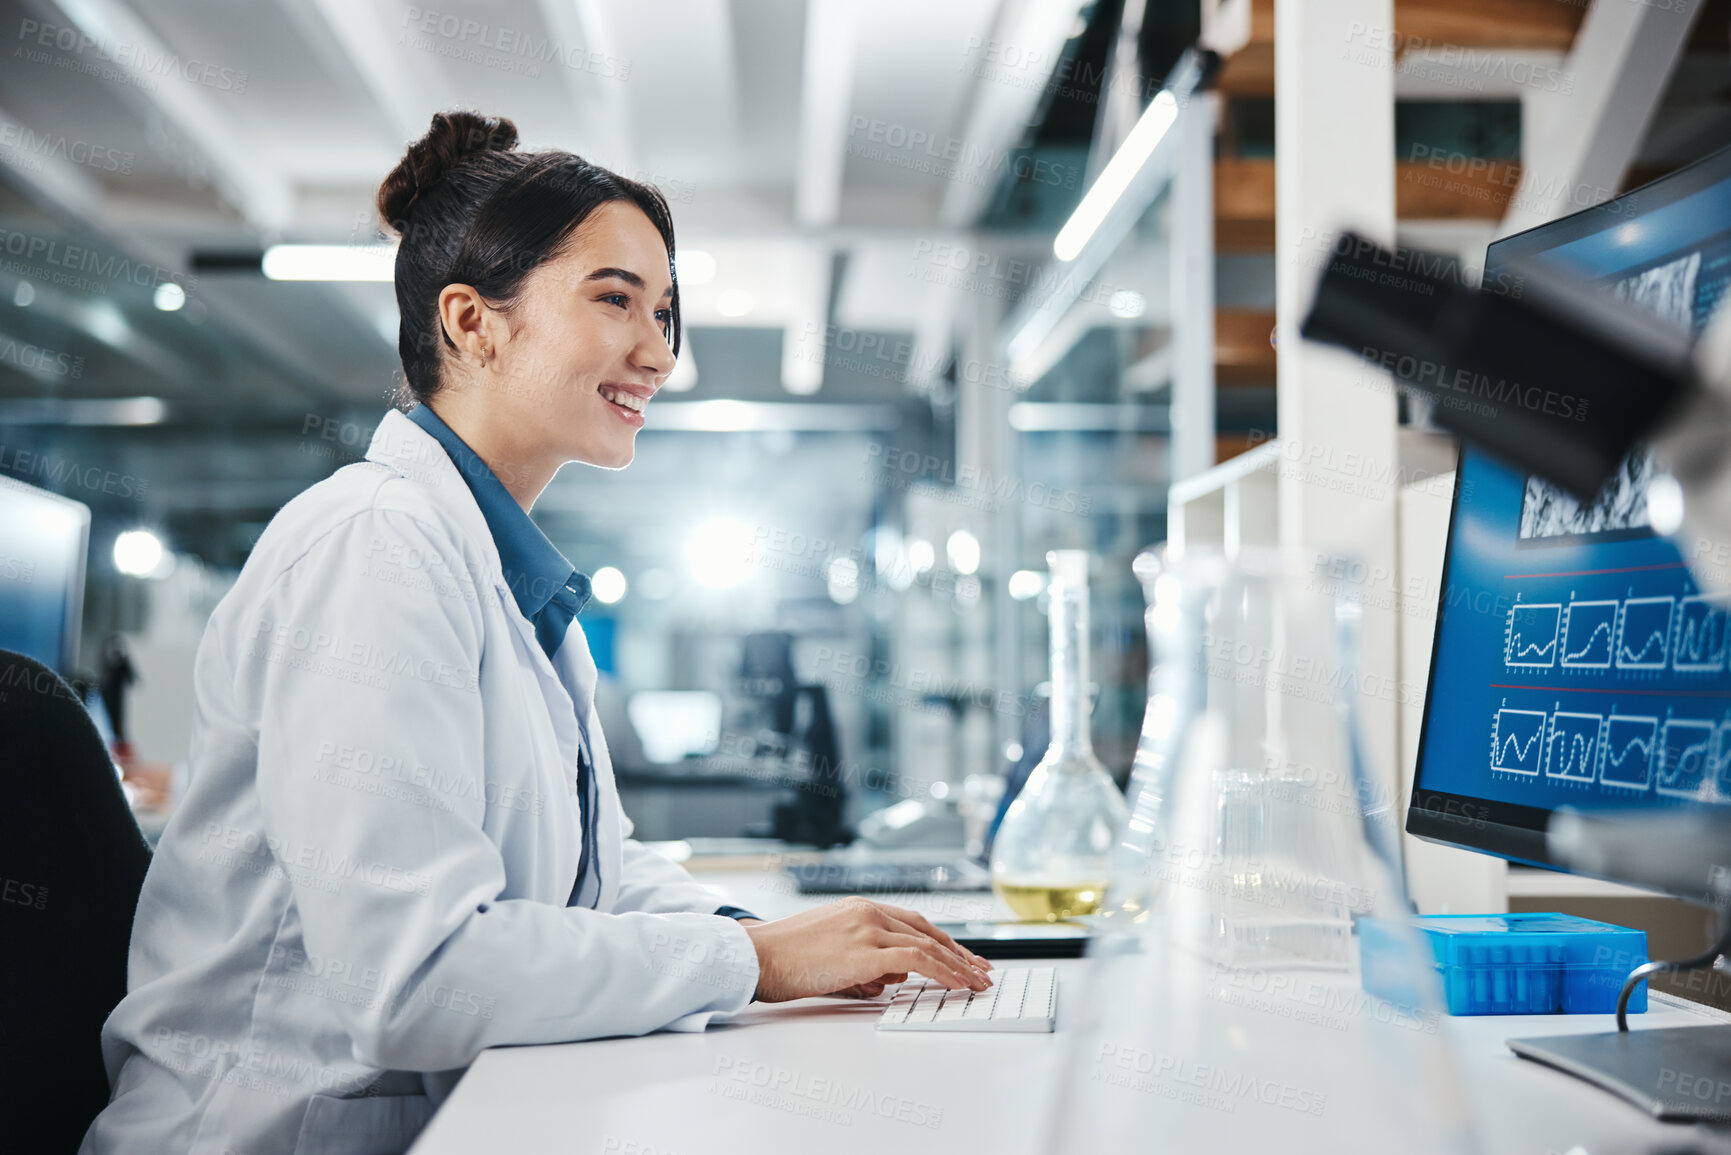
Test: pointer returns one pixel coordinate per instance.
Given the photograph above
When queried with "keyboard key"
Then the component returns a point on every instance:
(1021, 999)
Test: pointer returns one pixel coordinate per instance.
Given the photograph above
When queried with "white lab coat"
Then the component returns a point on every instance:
(366, 881)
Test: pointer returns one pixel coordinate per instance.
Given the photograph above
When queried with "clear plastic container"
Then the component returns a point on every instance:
(1520, 964)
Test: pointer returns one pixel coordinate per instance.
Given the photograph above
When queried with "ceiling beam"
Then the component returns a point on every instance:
(600, 104)
(354, 38)
(255, 189)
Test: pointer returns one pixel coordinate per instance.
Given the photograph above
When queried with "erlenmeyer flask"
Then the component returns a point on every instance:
(1222, 1005)
(1050, 856)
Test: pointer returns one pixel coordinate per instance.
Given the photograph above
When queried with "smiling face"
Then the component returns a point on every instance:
(584, 347)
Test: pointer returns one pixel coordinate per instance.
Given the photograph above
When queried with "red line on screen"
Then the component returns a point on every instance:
(1618, 690)
(1590, 572)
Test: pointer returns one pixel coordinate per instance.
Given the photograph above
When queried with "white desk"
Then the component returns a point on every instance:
(781, 1079)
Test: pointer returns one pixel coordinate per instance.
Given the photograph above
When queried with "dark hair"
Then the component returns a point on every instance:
(472, 210)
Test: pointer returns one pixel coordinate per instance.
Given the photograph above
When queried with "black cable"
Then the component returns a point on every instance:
(1647, 970)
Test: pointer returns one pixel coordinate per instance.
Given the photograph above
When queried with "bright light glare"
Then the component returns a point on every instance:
(963, 550)
(608, 585)
(1150, 130)
(843, 575)
(1665, 504)
(137, 552)
(921, 555)
(330, 262)
(720, 553)
(169, 297)
(734, 303)
(1025, 584)
(1127, 303)
(694, 266)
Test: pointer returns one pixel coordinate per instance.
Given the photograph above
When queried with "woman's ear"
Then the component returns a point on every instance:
(468, 321)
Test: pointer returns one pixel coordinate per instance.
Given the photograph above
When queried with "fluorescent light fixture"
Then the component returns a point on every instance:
(1099, 200)
(725, 416)
(720, 553)
(330, 262)
(731, 416)
(169, 297)
(608, 585)
(734, 303)
(694, 266)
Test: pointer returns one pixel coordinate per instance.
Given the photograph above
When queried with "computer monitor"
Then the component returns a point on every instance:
(675, 724)
(43, 541)
(1576, 662)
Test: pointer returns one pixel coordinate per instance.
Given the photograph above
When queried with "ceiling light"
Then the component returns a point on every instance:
(1127, 303)
(607, 584)
(963, 550)
(1150, 130)
(169, 297)
(138, 553)
(330, 262)
(842, 576)
(734, 303)
(720, 553)
(694, 266)
(1025, 584)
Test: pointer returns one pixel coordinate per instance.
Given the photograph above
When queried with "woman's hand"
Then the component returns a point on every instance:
(855, 948)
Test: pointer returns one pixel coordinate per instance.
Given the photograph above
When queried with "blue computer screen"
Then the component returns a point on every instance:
(1577, 661)
(43, 538)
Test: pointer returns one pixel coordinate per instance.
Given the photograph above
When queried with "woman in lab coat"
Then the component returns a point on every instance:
(401, 842)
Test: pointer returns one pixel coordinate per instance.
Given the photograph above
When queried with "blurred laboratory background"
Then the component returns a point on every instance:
(915, 361)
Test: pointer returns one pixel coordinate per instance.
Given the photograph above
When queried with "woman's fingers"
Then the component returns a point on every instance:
(923, 925)
(929, 958)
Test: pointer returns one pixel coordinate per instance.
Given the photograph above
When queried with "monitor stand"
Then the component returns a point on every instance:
(1677, 1074)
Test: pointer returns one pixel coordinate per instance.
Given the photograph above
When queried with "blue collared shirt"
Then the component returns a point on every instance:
(547, 587)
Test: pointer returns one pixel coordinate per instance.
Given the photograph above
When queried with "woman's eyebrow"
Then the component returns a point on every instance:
(626, 275)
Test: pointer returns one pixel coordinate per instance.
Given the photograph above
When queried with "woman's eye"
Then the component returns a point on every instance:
(665, 316)
(618, 297)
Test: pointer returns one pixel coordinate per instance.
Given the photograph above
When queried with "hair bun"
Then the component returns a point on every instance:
(452, 137)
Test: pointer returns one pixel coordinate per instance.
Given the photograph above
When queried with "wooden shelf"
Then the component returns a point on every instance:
(1488, 23)
(1244, 204)
(1243, 353)
(1421, 25)
(1423, 192)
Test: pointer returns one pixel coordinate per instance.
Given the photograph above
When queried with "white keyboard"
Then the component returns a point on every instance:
(1019, 999)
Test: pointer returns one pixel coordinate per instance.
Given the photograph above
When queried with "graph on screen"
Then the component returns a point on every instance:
(1620, 696)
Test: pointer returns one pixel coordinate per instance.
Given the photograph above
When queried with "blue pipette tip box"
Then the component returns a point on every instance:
(1513, 964)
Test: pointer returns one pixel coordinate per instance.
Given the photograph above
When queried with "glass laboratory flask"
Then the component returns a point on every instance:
(1255, 979)
(1049, 859)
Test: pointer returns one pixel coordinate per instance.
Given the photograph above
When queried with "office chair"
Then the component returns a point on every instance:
(72, 861)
